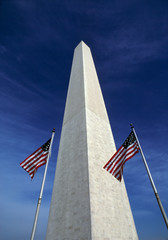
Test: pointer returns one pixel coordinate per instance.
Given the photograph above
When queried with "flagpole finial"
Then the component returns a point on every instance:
(53, 130)
(131, 125)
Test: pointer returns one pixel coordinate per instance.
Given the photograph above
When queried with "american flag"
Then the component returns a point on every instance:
(128, 149)
(36, 159)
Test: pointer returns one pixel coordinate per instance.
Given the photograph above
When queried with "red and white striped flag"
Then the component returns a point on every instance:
(125, 152)
(36, 159)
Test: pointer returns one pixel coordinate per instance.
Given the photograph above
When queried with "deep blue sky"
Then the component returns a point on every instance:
(129, 44)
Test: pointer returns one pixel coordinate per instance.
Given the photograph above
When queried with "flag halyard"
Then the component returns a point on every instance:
(36, 159)
(116, 163)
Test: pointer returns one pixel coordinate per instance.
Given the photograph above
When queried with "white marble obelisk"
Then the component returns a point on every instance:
(87, 202)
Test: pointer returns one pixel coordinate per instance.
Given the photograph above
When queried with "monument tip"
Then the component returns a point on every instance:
(82, 43)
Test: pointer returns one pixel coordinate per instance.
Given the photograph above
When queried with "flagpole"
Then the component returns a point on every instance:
(151, 180)
(42, 187)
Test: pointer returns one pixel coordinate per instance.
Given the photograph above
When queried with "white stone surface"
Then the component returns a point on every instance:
(87, 202)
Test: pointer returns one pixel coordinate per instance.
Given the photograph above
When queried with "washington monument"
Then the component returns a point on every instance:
(87, 202)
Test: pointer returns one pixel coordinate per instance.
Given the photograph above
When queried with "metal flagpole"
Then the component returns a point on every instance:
(151, 180)
(42, 187)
